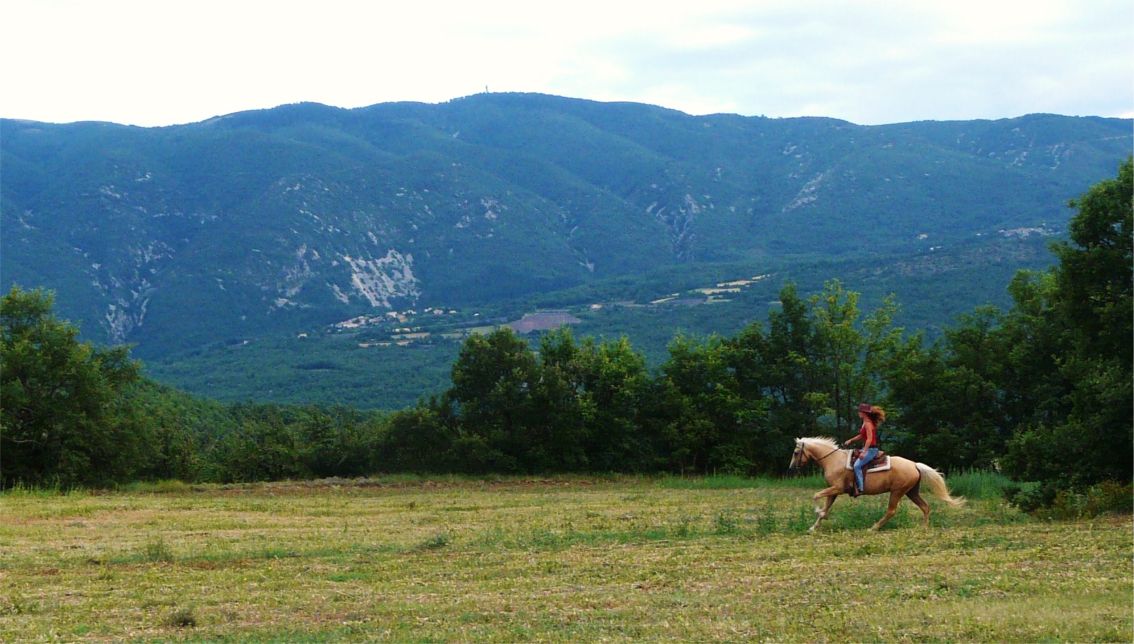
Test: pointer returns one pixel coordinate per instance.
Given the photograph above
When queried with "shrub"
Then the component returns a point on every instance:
(156, 551)
(182, 618)
(1110, 497)
(1047, 501)
(436, 542)
(1030, 497)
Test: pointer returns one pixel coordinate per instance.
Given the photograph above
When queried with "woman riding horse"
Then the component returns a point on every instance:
(904, 478)
(871, 417)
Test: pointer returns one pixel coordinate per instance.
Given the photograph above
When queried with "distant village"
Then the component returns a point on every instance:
(409, 327)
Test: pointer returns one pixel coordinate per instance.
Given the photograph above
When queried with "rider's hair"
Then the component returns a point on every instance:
(877, 414)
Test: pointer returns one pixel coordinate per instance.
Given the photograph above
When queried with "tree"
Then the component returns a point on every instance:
(493, 381)
(711, 426)
(338, 441)
(63, 416)
(1083, 429)
(1094, 274)
(615, 395)
(952, 407)
(264, 448)
(555, 436)
(850, 355)
(789, 364)
(422, 439)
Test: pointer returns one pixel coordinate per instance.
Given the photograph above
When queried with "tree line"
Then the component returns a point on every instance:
(1041, 390)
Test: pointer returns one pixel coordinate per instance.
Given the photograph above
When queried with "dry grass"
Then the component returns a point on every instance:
(563, 559)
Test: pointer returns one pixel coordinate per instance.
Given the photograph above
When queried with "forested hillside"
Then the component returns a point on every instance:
(298, 217)
(1042, 390)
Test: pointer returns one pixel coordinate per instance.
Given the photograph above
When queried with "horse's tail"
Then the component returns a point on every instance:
(937, 485)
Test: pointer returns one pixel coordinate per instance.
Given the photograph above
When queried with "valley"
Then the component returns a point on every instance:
(390, 361)
(228, 251)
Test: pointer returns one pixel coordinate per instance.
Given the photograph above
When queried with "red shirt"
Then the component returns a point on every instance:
(869, 434)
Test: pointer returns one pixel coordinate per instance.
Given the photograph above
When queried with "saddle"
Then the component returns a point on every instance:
(881, 462)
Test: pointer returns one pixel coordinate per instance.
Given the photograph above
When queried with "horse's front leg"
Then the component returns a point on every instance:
(828, 495)
(832, 491)
(822, 512)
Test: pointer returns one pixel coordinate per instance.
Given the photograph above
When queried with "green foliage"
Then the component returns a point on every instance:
(933, 288)
(1094, 275)
(978, 484)
(1042, 389)
(709, 427)
(156, 551)
(183, 617)
(617, 397)
(1051, 501)
(245, 221)
(270, 442)
(1082, 429)
(62, 414)
(422, 439)
(494, 380)
(1030, 497)
(436, 542)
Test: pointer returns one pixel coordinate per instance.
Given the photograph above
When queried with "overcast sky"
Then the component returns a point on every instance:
(159, 62)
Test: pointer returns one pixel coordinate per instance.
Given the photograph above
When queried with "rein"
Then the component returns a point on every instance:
(828, 454)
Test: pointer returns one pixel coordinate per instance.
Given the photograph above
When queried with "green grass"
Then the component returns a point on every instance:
(735, 482)
(563, 559)
(157, 487)
(978, 484)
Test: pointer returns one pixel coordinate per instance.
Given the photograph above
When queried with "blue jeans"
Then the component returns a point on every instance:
(867, 455)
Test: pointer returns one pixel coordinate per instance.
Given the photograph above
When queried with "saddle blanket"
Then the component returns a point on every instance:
(881, 463)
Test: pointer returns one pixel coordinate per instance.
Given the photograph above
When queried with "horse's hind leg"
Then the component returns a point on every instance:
(895, 499)
(915, 496)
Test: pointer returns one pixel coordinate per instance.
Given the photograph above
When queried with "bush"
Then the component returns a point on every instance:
(1030, 497)
(156, 551)
(1110, 497)
(1046, 501)
(182, 618)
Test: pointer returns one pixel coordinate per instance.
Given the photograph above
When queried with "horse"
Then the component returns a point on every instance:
(904, 478)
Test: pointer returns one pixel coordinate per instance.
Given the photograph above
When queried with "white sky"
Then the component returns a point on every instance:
(159, 62)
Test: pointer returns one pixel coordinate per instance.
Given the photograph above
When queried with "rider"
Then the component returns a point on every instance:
(872, 417)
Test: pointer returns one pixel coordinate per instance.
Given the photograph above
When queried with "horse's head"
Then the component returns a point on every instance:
(799, 456)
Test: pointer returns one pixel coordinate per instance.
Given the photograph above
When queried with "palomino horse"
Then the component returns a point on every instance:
(904, 478)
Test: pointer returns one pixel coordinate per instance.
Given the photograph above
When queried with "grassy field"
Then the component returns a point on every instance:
(549, 559)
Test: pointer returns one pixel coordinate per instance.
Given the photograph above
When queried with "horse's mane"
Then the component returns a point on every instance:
(825, 441)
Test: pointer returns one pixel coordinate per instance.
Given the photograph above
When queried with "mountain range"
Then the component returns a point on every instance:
(299, 217)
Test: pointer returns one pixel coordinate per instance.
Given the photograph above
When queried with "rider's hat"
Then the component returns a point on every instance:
(865, 408)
